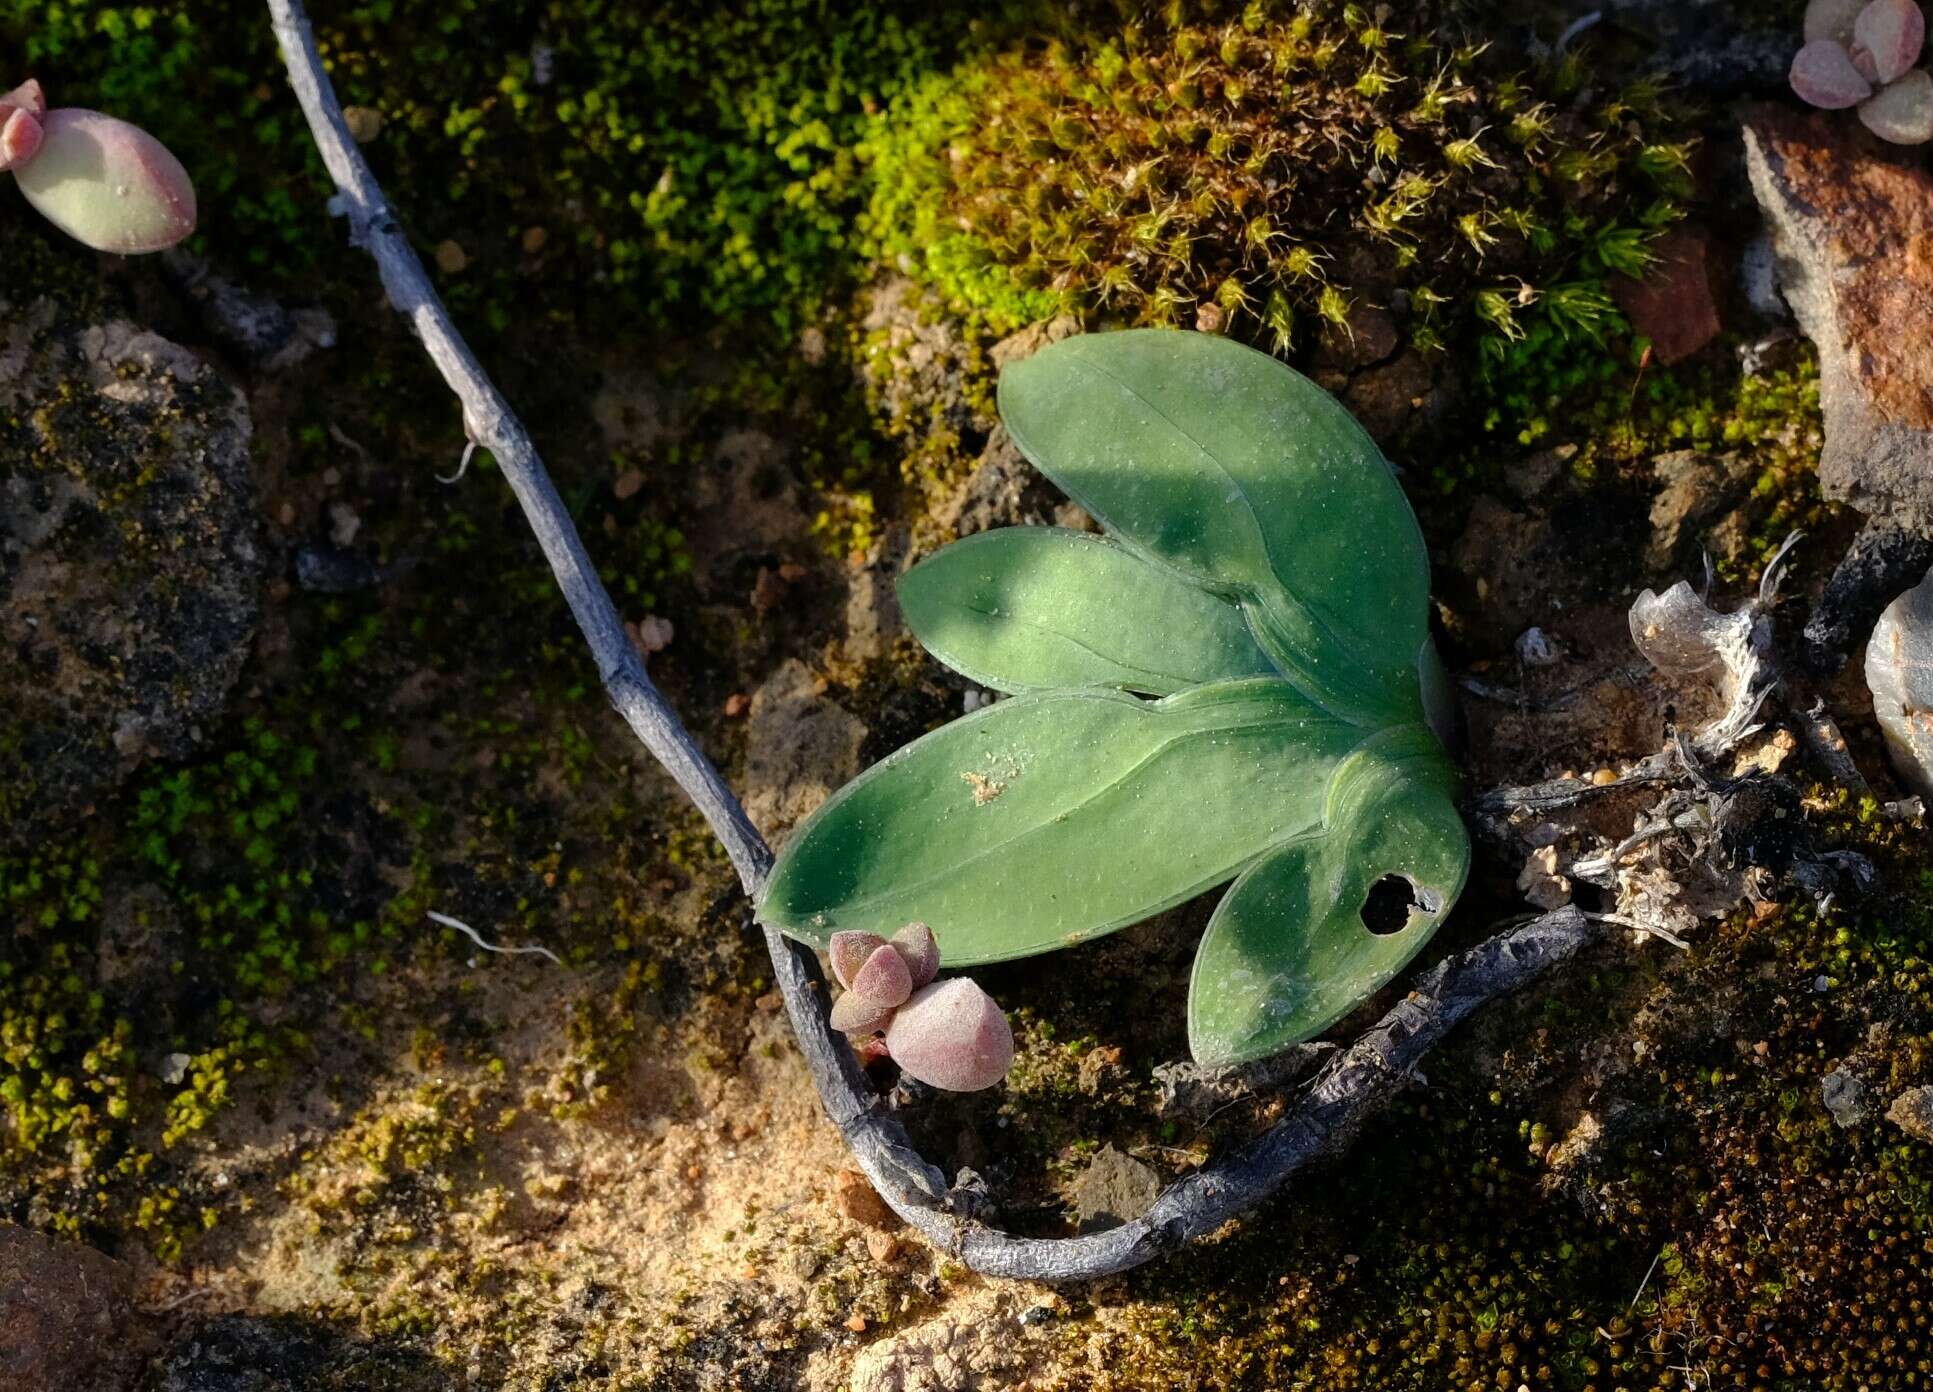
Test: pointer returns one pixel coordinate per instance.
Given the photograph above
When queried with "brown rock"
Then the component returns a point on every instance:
(1912, 1112)
(66, 1323)
(1852, 230)
(365, 123)
(1368, 336)
(1508, 558)
(1673, 305)
(1030, 340)
(798, 748)
(1698, 492)
(859, 1201)
(1391, 398)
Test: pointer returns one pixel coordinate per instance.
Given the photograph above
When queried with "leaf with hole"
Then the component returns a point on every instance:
(1264, 578)
(1393, 836)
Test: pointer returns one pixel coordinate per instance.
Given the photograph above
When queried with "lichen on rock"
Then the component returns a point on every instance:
(129, 564)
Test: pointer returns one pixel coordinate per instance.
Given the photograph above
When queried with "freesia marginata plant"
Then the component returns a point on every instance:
(1235, 683)
(108, 185)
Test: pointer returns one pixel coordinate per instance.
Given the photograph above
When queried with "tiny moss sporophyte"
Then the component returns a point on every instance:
(1235, 683)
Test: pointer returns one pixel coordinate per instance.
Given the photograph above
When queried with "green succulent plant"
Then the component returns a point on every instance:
(1236, 683)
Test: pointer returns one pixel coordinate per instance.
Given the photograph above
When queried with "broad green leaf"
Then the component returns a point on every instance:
(1040, 608)
(1242, 474)
(1047, 819)
(1287, 953)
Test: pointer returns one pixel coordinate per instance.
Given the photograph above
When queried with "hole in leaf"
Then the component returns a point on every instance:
(1390, 902)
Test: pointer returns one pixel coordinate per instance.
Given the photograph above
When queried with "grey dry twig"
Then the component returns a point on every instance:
(1346, 1093)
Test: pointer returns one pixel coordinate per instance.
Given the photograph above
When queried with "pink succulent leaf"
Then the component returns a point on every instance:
(20, 137)
(108, 185)
(1887, 38)
(921, 950)
(1832, 19)
(951, 1035)
(884, 980)
(28, 97)
(1823, 74)
(853, 1013)
(849, 951)
(1903, 112)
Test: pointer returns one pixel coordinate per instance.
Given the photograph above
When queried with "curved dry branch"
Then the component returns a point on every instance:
(1322, 1125)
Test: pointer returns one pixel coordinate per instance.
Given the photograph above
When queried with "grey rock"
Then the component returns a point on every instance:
(1848, 1099)
(129, 568)
(1003, 490)
(1186, 1089)
(329, 569)
(873, 618)
(1882, 563)
(237, 1353)
(260, 331)
(1114, 1189)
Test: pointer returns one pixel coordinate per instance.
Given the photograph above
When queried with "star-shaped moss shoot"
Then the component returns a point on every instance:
(1235, 683)
(108, 185)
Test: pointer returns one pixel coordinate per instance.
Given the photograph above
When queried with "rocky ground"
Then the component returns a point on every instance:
(274, 691)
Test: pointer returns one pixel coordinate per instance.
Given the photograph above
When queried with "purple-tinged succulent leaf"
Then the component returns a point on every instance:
(19, 137)
(1903, 112)
(1887, 38)
(854, 1014)
(1823, 74)
(1832, 19)
(107, 184)
(921, 950)
(849, 951)
(884, 980)
(951, 1035)
(28, 96)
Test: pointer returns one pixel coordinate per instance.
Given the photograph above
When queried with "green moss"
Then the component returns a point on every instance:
(664, 160)
(1267, 169)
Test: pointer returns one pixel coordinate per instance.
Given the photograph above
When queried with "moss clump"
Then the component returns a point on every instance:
(1269, 172)
(668, 160)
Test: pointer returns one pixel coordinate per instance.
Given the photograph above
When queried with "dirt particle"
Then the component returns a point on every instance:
(985, 789)
(859, 1201)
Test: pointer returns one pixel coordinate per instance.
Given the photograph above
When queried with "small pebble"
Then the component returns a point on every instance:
(859, 1201)
(857, 1324)
(451, 258)
(1604, 776)
(365, 123)
(736, 705)
(883, 1246)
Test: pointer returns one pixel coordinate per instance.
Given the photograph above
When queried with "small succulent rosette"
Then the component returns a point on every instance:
(108, 185)
(1861, 53)
(947, 1034)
